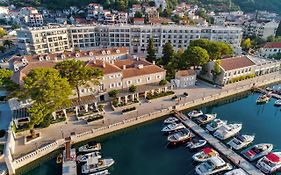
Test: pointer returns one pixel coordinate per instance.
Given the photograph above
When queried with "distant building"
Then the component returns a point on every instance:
(31, 16)
(263, 30)
(270, 49)
(184, 79)
(139, 21)
(121, 18)
(4, 11)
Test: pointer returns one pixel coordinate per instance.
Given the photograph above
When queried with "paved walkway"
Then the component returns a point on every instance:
(224, 150)
(59, 130)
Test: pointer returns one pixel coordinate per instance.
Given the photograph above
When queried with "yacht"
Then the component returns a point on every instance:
(214, 165)
(180, 136)
(215, 124)
(270, 163)
(205, 154)
(90, 147)
(170, 120)
(195, 113)
(263, 99)
(85, 157)
(173, 127)
(238, 171)
(241, 141)
(277, 103)
(104, 172)
(194, 144)
(206, 118)
(95, 165)
(227, 131)
(257, 151)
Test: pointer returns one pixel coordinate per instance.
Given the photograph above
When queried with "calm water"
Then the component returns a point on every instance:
(143, 149)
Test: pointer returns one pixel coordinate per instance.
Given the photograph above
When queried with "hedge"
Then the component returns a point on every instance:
(128, 109)
(158, 95)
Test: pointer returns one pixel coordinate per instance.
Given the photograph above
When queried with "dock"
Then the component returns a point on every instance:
(69, 166)
(264, 91)
(238, 160)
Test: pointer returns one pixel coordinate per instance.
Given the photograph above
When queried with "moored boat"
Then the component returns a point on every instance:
(206, 118)
(173, 127)
(238, 171)
(263, 99)
(205, 154)
(170, 120)
(90, 147)
(194, 144)
(241, 141)
(195, 113)
(214, 165)
(215, 124)
(180, 136)
(94, 165)
(227, 131)
(257, 151)
(104, 172)
(277, 103)
(85, 157)
(270, 163)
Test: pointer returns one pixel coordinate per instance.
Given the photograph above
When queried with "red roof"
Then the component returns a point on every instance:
(139, 19)
(272, 45)
(273, 157)
(236, 63)
(207, 150)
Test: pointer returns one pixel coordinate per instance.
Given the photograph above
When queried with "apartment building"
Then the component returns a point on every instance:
(135, 37)
(31, 16)
(261, 29)
(270, 49)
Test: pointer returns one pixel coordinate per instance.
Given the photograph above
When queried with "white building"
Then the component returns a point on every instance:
(263, 30)
(31, 16)
(270, 49)
(136, 37)
(3, 11)
(184, 79)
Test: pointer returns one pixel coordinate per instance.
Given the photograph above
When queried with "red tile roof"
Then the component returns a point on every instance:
(106, 67)
(236, 63)
(132, 72)
(184, 73)
(272, 45)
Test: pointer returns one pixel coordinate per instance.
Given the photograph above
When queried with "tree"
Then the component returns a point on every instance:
(196, 56)
(217, 70)
(138, 14)
(3, 32)
(168, 53)
(133, 88)
(278, 32)
(151, 56)
(48, 90)
(2, 49)
(77, 74)
(113, 93)
(163, 82)
(8, 43)
(247, 44)
(5, 75)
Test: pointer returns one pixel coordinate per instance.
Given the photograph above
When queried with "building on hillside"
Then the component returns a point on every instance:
(184, 79)
(138, 21)
(31, 17)
(135, 8)
(121, 18)
(239, 68)
(4, 11)
(270, 49)
(135, 37)
(263, 30)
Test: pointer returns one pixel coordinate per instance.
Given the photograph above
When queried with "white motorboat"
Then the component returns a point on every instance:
(206, 118)
(85, 157)
(257, 151)
(194, 144)
(94, 165)
(205, 154)
(104, 172)
(180, 136)
(238, 171)
(173, 127)
(90, 147)
(170, 120)
(241, 141)
(263, 99)
(270, 163)
(214, 165)
(195, 113)
(215, 124)
(277, 103)
(227, 131)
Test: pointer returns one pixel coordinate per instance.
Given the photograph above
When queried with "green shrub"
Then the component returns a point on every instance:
(93, 118)
(113, 93)
(163, 82)
(46, 122)
(114, 103)
(100, 107)
(2, 133)
(158, 95)
(128, 109)
(133, 88)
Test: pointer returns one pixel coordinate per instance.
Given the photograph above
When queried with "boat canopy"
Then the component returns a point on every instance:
(273, 157)
(208, 150)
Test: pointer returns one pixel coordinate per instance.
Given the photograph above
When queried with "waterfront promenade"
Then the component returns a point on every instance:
(219, 146)
(198, 95)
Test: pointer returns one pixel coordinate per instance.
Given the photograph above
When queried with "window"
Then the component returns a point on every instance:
(112, 85)
(158, 76)
(119, 84)
(139, 80)
(148, 78)
(129, 82)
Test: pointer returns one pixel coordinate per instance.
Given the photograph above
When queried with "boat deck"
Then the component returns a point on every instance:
(220, 147)
(69, 167)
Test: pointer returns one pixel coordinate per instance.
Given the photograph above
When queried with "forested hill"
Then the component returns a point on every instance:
(252, 5)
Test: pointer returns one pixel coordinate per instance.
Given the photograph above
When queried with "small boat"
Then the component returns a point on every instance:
(241, 141)
(238, 171)
(206, 118)
(269, 89)
(205, 154)
(195, 113)
(104, 172)
(227, 131)
(263, 99)
(170, 120)
(173, 127)
(215, 124)
(95, 165)
(180, 136)
(59, 159)
(257, 151)
(277, 103)
(270, 163)
(90, 147)
(214, 165)
(85, 157)
(194, 144)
